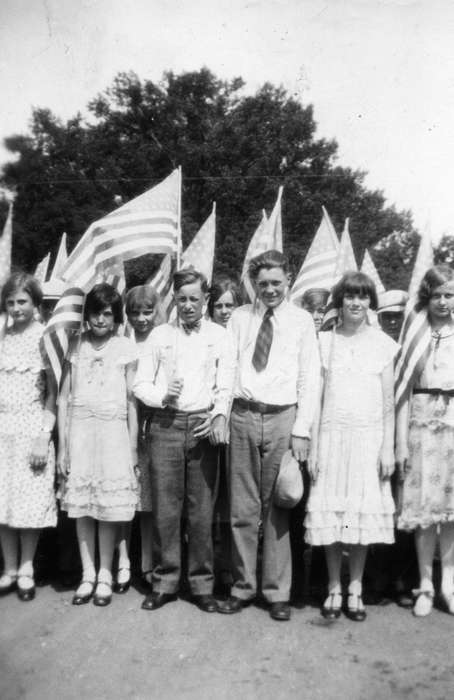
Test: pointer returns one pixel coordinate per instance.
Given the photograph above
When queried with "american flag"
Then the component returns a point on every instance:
(319, 267)
(369, 269)
(65, 323)
(113, 275)
(147, 224)
(162, 283)
(200, 252)
(60, 260)
(5, 247)
(268, 236)
(344, 263)
(416, 333)
(42, 269)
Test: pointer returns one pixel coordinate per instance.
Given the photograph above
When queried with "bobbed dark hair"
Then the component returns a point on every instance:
(188, 276)
(433, 278)
(99, 297)
(142, 297)
(353, 282)
(220, 286)
(267, 260)
(21, 281)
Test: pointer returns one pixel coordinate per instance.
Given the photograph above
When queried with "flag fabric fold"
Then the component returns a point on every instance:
(200, 252)
(149, 223)
(369, 269)
(345, 262)
(65, 323)
(319, 266)
(60, 260)
(5, 247)
(42, 268)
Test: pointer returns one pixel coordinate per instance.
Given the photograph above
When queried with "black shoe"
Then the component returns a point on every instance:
(156, 600)
(26, 594)
(102, 600)
(11, 586)
(82, 599)
(357, 613)
(329, 611)
(232, 605)
(206, 603)
(280, 611)
(122, 586)
(405, 600)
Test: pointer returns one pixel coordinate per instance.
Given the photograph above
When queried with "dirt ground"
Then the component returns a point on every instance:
(51, 649)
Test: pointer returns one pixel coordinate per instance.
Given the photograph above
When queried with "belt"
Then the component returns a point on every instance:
(259, 407)
(435, 392)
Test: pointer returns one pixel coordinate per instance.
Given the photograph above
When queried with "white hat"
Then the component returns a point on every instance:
(393, 300)
(289, 489)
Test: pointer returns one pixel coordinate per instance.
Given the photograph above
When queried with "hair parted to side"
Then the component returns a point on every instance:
(433, 278)
(314, 297)
(353, 282)
(220, 286)
(189, 276)
(21, 281)
(144, 296)
(101, 296)
(267, 260)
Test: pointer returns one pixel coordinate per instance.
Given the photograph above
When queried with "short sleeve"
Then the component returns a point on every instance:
(325, 340)
(388, 348)
(126, 351)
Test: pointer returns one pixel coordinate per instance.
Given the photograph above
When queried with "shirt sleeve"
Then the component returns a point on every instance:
(227, 368)
(150, 386)
(308, 380)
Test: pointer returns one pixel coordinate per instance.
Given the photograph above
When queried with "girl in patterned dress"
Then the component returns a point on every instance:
(425, 444)
(144, 313)
(27, 417)
(97, 424)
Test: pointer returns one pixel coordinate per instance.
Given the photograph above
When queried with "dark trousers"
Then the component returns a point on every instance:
(257, 445)
(184, 470)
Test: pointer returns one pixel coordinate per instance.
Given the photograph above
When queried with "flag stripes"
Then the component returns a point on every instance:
(415, 339)
(65, 323)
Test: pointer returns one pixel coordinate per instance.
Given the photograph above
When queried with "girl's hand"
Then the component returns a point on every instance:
(40, 451)
(134, 457)
(402, 464)
(387, 465)
(312, 466)
(217, 430)
(62, 462)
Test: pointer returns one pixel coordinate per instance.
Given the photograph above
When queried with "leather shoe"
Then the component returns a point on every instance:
(280, 611)
(232, 605)
(331, 611)
(122, 586)
(206, 603)
(101, 600)
(26, 594)
(10, 585)
(81, 599)
(156, 600)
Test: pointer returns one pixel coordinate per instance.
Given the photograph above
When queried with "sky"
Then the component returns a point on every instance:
(379, 73)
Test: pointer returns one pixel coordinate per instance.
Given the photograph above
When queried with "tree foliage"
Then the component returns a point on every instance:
(234, 148)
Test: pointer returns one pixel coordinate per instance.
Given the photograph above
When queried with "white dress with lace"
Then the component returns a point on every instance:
(349, 502)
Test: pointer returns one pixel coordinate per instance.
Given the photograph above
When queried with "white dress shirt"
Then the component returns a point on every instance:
(171, 353)
(292, 374)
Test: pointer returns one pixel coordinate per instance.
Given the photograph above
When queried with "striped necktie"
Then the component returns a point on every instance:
(263, 342)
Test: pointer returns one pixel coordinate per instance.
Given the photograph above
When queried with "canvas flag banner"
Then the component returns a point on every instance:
(200, 252)
(424, 260)
(65, 323)
(257, 243)
(345, 262)
(370, 270)
(5, 247)
(149, 223)
(162, 283)
(60, 260)
(416, 333)
(319, 267)
(42, 268)
(115, 276)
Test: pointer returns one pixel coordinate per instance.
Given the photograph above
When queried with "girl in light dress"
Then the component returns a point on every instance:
(352, 454)
(27, 417)
(97, 423)
(143, 311)
(425, 444)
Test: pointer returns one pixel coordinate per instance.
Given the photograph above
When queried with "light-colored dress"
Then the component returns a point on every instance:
(101, 483)
(27, 496)
(349, 502)
(428, 492)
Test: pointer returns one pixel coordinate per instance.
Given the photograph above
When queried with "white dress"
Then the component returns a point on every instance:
(349, 502)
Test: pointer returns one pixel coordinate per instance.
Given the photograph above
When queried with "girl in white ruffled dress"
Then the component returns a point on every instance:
(352, 455)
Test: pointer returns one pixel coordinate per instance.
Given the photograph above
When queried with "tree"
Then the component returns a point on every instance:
(234, 148)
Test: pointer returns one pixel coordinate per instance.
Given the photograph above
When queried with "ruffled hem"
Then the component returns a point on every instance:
(115, 513)
(20, 367)
(349, 528)
(423, 520)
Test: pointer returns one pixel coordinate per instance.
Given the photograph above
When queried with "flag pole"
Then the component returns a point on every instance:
(179, 218)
